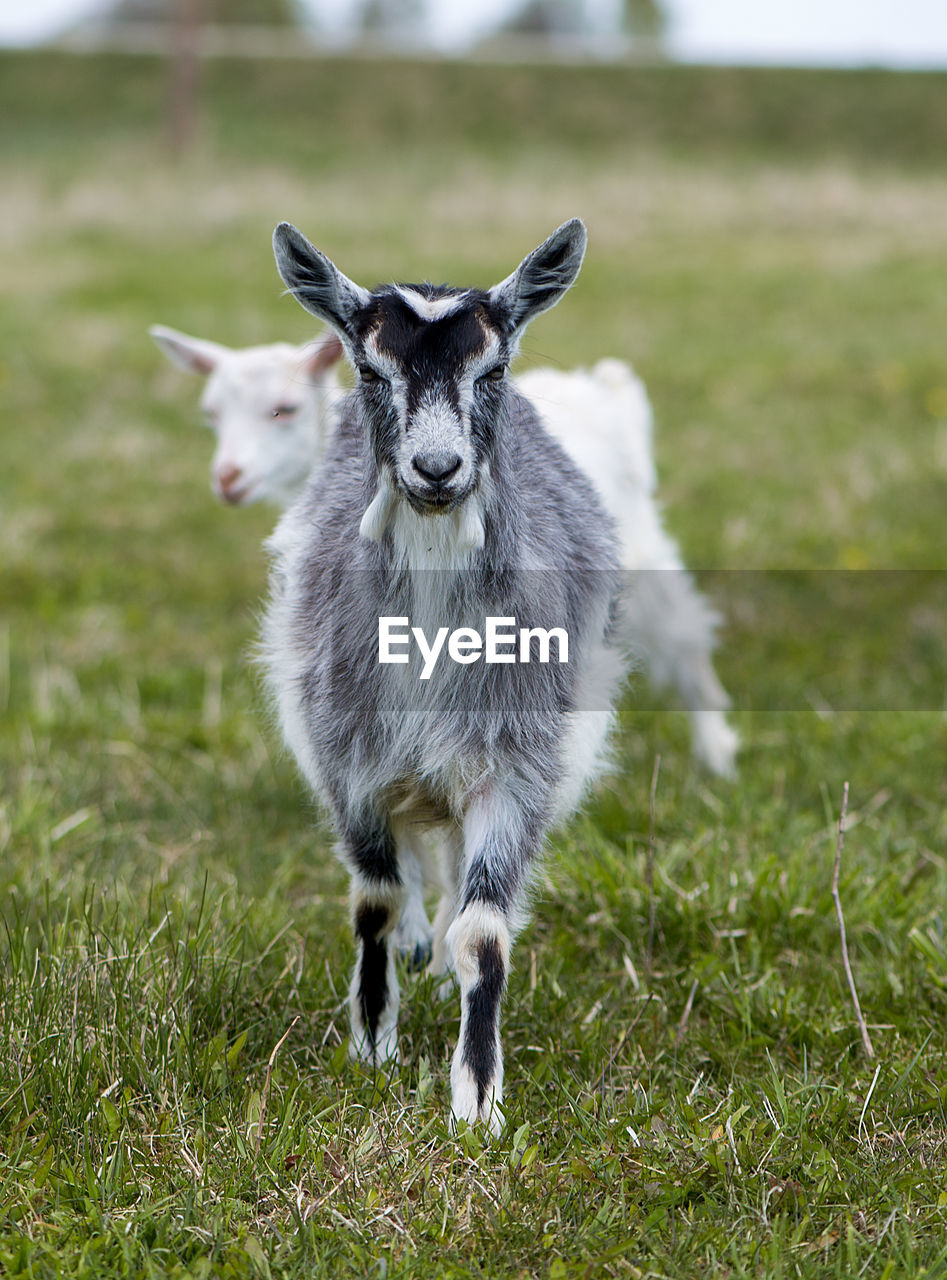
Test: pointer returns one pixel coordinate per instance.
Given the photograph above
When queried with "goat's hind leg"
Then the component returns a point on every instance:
(413, 935)
(377, 893)
(451, 867)
(673, 627)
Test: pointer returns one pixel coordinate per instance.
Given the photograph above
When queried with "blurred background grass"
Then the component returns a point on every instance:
(769, 249)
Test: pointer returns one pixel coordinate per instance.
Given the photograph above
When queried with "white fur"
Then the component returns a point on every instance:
(438, 542)
(430, 308)
(378, 513)
(602, 418)
(259, 456)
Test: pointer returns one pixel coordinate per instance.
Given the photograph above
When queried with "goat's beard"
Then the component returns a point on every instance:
(463, 506)
(427, 503)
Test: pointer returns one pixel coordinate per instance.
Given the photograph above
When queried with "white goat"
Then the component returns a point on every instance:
(273, 409)
(602, 418)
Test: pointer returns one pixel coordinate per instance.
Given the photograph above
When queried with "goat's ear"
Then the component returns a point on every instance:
(321, 355)
(542, 277)
(193, 355)
(316, 283)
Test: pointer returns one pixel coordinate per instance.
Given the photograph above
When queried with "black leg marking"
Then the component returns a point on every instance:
(373, 854)
(495, 875)
(373, 970)
(491, 883)
(483, 1009)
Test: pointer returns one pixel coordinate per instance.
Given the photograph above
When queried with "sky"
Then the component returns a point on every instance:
(896, 33)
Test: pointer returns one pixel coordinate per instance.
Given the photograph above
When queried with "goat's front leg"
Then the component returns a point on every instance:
(377, 893)
(499, 845)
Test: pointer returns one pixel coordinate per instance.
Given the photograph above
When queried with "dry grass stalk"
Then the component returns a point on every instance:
(266, 1083)
(651, 909)
(685, 1016)
(866, 1039)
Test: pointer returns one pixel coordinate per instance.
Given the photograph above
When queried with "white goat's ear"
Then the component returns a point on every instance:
(316, 283)
(193, 355)
(321, 355)
(542, 277)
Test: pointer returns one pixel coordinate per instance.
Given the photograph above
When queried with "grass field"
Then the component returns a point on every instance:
(770, 250)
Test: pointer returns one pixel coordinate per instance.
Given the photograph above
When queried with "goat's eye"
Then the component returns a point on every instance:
(496, 374)
(285, 410)
(368, 374)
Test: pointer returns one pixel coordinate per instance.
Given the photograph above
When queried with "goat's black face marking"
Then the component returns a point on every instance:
(428, 348)
(431, 353)
(432, 361)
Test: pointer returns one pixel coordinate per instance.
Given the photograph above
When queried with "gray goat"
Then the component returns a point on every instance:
(443, 502)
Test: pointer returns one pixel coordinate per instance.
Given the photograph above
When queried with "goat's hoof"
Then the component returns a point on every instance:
(464, 1111)
(417, 957)
(477, 1096)
(716, 744)
(382, 1052)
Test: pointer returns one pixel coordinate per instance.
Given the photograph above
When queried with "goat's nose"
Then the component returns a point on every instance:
(228, 481)
(436, 467)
